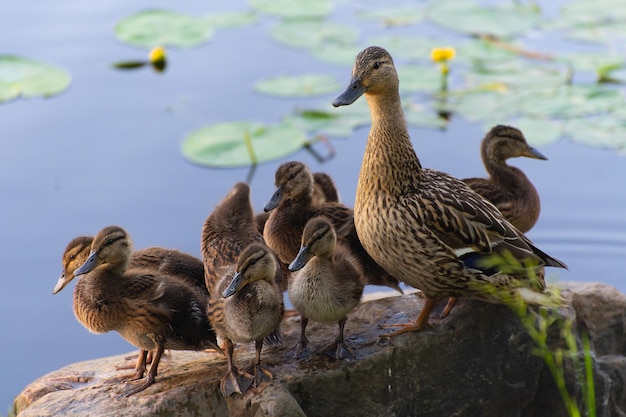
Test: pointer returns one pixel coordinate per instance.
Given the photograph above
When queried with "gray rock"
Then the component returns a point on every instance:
(476, 362)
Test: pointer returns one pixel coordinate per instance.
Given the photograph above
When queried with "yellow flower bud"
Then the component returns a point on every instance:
(442, 54)
(157, 55)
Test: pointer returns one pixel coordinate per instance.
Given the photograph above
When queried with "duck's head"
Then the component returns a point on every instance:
(318, 239)
(256, 262)
(503, 142)
(373, 73)
(113, 246)
(293, 179)
(76, 253)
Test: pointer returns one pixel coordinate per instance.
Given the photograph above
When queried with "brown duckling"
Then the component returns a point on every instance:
(226, 233)
(326, 285)
(324, 191)
(425, 227)
(151, 310)
(508, 188)
(292, 206)
(247, 308)
(169, 261)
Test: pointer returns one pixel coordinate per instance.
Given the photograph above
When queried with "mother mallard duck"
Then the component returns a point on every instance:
(427, 228)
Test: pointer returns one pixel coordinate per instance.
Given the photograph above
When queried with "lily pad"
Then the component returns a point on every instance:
(486, 105)
(242, 143)
(468, 17)
(411, 47)
(599, 132)
(321, 122)
(306, 85)
(418, 115)
(335, 53)
(29, 78)
(395, 16)
(538, 132)
(152, 28)
(294, 8)
(585, 12)
(415, 78)
(518, 74)
(313, 33)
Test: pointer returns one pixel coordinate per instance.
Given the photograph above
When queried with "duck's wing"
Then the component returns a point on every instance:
(497, 195)
(144, 294)
(466, 222)
(340, 217)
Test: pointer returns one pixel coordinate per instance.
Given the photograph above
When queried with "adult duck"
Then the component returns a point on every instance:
(291, 206)
(231, 248)
(507, 187)
(325, 286)
(427, 228)
(151, 310)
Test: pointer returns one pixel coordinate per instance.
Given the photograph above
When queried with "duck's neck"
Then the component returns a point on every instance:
(507, 176)
(390, 163)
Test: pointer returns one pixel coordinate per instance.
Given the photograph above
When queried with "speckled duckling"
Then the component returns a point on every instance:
(507, 187)
(325, 286)
(151, 310)
(425, 227)
(292, 206)
(232, 245)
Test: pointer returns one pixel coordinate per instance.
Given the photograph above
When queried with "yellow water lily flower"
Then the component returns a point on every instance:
(157, 55)
(442, 54)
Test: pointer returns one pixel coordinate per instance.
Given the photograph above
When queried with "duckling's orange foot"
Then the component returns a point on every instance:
(339, 350)
(235, 382)
(135, 388)
(299, 351)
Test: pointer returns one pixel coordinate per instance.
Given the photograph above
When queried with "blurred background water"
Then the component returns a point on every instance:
(108, 152)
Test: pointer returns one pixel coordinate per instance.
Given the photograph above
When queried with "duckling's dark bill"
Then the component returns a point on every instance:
(353, 92)
(89, 264)
(273, 203)
(534, 153)
(235, 285)
(301, 259)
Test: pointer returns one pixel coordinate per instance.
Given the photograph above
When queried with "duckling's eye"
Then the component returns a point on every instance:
(108, 242)
(292, 176)
(72, 257)
(252, 261)
(376, 65)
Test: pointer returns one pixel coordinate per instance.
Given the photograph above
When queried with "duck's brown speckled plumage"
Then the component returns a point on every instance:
(508, 188)
(416, 222)
(232, 246)
(292, 206)
(326, 284)
(151, 310)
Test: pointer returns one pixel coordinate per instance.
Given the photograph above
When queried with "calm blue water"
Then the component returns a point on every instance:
(107, 152)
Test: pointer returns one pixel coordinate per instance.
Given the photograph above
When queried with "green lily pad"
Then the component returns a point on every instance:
(335, 53)
(294, 8)
(485, 105)
(418, 115)
(585, 12)
(230, 20)
(29, 78)
(592, 61)
(538, 132)
(321, 122)
(468, 17)
(395, 16)
(412, 47)
(605, 33)
(242, 143)
(415, 78)
(599, 132)
(313, 33)
(518, 74)
(571, 101)
(152, 28)
(306, 85)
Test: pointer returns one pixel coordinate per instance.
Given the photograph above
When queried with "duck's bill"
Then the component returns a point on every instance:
(534, 153)
(89, 264)
(352, 93)
(235, 285)
(62, 282)
(301, 259)
(273, 203)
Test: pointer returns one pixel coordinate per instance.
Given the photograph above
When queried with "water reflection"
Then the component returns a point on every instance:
(107, 152)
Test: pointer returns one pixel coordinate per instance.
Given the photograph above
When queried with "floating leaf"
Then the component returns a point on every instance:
(419, 78)
(306, 85)
(485, 105)
(152, 28)
(341, 54)
(226, 145)
(28, 78)
(468, 17)
(600, 132)
(320, 122)
(538, 132)
(412, 47)
(313, 33)
(395, 16)
(294, 8)
(230, 20)
(518, 74)
(419, 116)
(591, 61)
(585, 12)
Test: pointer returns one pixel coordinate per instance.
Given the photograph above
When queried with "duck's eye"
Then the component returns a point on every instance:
(292, 176)
(252, 261)
(72, 257)
(376, 65)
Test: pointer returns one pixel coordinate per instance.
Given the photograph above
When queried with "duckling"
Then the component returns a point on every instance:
(508, 188)
(324, 191)
(250, 310)
(226, 233)
(153, 311)
(427, 228)
(327, 285)
(169, 261)
(292, 206)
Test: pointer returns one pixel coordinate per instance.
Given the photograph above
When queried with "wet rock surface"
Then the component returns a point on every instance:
(476, 362)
